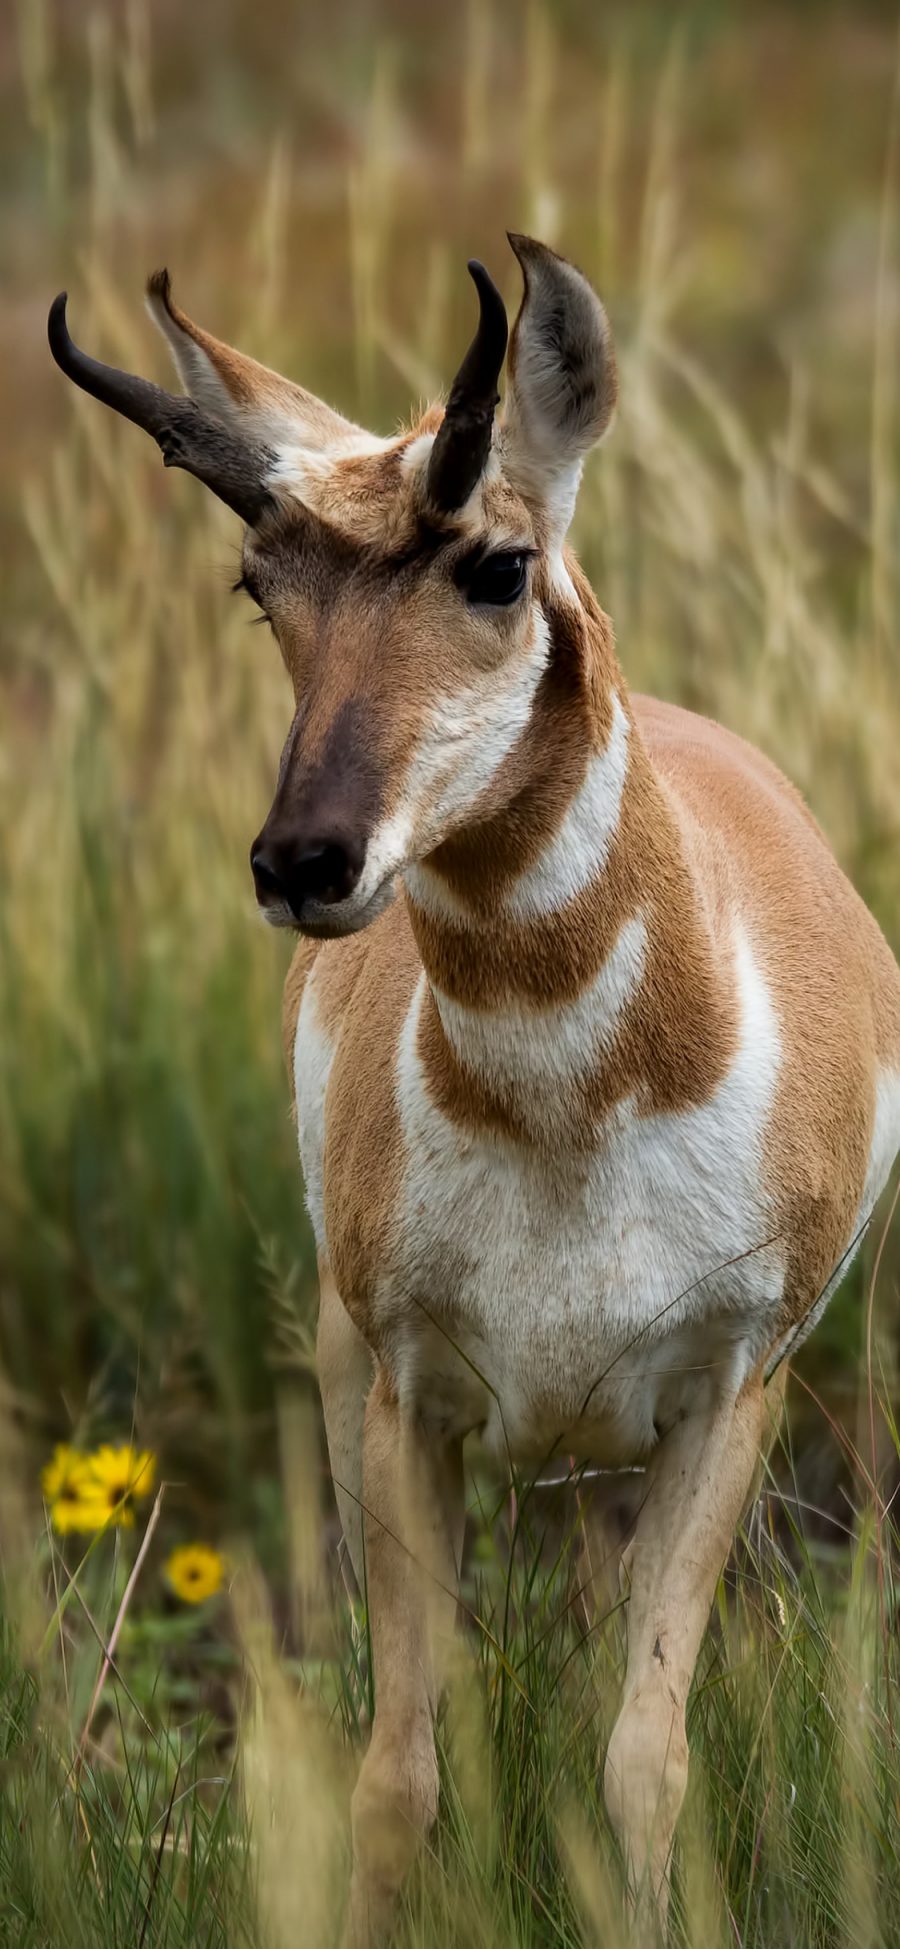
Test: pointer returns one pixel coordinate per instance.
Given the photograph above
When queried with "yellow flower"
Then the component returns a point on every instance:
(116, 1476)
(195, 1572)
(66, 1485)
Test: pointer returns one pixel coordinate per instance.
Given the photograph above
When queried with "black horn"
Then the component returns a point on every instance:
(233, 467)
(463, 440)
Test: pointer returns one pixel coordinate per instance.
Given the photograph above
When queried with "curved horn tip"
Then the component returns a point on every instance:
(57, 329)
(484, 283)
(488, 347)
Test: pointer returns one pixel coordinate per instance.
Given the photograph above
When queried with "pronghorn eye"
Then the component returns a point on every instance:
(249, 588)
(498, 579)
(245, 586)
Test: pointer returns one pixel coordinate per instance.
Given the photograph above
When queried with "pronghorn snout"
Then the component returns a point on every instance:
(305, 872)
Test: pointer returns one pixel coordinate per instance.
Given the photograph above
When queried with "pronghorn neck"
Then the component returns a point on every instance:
(550, 814)
(568, 956)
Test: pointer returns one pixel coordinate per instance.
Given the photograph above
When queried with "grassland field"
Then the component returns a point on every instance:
(315, 179)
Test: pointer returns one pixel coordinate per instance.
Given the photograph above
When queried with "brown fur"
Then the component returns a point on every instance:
(675, 1043)
(294, 983)
(707, 829)
(364, 1169)
(706, 822)
(831, 972)
(362, 591)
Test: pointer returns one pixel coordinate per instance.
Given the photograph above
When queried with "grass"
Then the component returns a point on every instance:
(162, 1835)
(732, 187)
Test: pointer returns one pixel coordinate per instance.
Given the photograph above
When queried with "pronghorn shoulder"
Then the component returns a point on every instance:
(829, 960)
(833, 982)
(703, 761)
(744, 814)
(756, 848)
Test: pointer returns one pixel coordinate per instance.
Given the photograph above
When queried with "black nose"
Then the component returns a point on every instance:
(323, 869)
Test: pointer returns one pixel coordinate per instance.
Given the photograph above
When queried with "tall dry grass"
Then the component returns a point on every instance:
(740, 527)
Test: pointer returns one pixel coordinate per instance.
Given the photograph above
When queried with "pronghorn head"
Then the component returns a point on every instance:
(406, 580)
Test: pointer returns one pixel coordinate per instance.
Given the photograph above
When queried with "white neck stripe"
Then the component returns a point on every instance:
(575, 856)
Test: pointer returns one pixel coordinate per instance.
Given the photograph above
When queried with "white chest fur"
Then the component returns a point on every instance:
(589, 1293)
(580, 1298)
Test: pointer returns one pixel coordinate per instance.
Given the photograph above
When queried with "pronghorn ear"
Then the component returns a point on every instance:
(561, 381)
(238, 391)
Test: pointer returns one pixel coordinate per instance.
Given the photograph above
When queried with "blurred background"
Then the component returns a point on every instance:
(315, 178)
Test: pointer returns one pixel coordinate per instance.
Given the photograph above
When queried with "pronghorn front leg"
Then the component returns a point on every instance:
(412, 1492)
(702, 1473)
(345, 1367)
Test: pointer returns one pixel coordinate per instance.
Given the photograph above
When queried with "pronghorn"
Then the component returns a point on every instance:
(596, 1053)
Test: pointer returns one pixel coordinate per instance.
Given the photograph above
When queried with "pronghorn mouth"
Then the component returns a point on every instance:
(320, 921)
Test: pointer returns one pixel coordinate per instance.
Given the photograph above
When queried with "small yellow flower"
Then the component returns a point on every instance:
(194, 1572)
(116, 1476)
(66, 1485)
